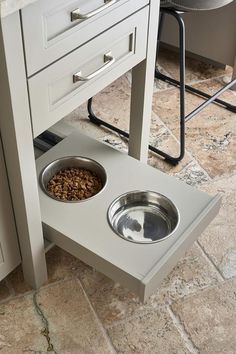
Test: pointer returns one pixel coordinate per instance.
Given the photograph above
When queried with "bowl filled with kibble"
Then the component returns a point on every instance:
(73, 179)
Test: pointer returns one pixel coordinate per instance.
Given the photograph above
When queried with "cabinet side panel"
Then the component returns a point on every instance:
(15, 125)
(9, 250)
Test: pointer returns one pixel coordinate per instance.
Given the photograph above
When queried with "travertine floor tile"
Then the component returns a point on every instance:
(151, 333)
(219, 239)
(193, 174)
(73, 326)
(113, 103)
(192, 273)
(4, 291)
(112, 302)
(78, 119)
(195, 70)
(16, 280)
(74, 329)
(209, 318)
(210, 136)
(60, 265)
(20, 328)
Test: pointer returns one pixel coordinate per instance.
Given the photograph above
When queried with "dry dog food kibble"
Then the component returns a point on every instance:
(74, 184)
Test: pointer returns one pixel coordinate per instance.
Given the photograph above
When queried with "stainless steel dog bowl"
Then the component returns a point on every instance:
(68, 162)
(143, 216)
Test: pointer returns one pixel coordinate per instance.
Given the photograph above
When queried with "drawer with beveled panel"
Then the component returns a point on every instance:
(52, 29)
(64, 85)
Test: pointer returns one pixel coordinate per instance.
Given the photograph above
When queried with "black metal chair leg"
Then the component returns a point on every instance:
(171, 159)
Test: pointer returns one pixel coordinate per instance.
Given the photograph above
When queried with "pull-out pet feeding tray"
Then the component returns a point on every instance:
(178, 215)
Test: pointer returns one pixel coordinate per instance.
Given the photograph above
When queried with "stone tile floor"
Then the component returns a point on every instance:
(80, 311)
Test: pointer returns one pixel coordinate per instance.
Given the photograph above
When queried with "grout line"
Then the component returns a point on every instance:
(182, 331)
(113, 351)
(211, 261)
(45, 331)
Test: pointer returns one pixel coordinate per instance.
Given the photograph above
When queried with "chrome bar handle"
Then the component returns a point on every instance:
(108, 60)
(77, 15)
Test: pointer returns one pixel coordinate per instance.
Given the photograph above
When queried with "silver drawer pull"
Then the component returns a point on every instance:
(108, 60)
(77, 15)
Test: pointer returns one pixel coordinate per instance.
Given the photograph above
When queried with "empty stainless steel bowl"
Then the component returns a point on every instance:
(143, 216)
(68, 162)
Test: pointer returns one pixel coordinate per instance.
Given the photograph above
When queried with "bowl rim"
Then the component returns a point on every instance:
(144, 242)
(77, 157)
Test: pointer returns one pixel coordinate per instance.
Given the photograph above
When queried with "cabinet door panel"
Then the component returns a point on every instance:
(9, 249)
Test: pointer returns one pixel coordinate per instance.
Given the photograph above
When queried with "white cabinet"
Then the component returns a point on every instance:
(39, 88)
(9, 250)
(53, 92)
(50, 31)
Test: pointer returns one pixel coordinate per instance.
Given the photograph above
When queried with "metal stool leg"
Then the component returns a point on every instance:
(171, 159)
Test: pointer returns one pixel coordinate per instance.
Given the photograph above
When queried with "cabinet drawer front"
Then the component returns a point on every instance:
(50, 32)
(54, 92)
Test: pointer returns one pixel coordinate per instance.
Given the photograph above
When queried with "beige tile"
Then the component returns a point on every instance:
(219, 239)
(193, 174)
(60, 265)
(209, 318)
(20, 328)
(113, 303)
(73, 325)
(78, 119)
(16, 281)
(153, 332)
(4, 290)
(195, 70)
(113, 103)
(192, 273)
(210, 136)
